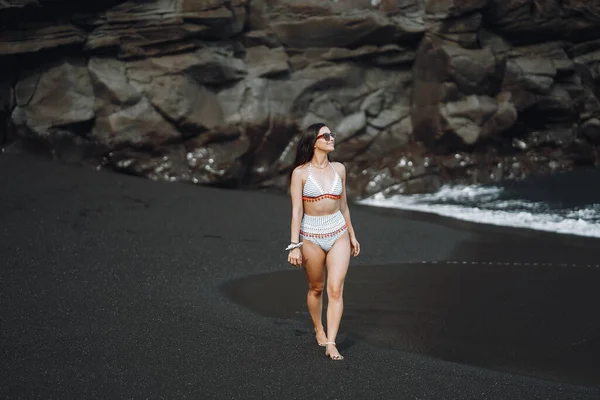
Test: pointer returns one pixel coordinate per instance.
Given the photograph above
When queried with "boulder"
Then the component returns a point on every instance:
(139, 126)
(255, 99)
(351, 148)
(390, 115)
(184, 102)
(263, 61)
(502, 119)
(373, 103)
(110, 82)
(251, 101)
(390, 140)
(528, 79)
(465, 117)
(178, 97)
(474, 71)
(325, 108)
(553, 52)
(532, 74)
(350, 125)
(452, 90)
(54, 96)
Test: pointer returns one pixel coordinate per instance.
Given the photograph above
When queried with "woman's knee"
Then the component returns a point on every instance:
(334, 292)
(315, 290)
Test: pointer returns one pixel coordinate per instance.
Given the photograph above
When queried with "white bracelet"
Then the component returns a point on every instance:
(293, 246)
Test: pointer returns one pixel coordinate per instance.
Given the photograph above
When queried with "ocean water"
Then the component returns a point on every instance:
(566, 203)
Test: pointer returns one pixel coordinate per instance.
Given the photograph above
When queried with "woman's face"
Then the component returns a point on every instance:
(325, 140)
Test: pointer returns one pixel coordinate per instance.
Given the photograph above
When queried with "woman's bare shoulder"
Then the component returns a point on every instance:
(300, 171)
(339, 167)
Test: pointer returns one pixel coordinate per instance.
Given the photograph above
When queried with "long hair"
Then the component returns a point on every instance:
(306, 145)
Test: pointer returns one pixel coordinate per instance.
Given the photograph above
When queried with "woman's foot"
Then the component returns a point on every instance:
(332, 352)
(321, 336)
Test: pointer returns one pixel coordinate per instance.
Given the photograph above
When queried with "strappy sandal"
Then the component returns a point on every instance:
(335, 358)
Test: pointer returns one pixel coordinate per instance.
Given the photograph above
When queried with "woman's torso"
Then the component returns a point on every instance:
(322, 190)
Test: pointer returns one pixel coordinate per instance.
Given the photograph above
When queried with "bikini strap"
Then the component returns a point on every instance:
(334, 171)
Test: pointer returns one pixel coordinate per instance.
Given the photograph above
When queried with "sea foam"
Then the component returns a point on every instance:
(490, 205)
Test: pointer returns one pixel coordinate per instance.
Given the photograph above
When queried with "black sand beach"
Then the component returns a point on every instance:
(119, 287)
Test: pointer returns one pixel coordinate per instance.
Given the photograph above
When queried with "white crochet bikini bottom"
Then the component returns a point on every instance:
(323, 230)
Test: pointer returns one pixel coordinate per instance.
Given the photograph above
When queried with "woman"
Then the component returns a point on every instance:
(322, 220)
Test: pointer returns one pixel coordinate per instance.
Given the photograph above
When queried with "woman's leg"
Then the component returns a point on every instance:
(338, 259)
(314, 267)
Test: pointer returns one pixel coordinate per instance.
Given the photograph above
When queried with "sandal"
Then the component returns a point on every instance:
(333, 357)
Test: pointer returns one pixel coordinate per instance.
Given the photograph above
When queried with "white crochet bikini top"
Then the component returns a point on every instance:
(312, 190)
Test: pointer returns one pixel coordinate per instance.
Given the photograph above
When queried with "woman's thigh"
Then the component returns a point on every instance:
(338, 259)
(314, 262)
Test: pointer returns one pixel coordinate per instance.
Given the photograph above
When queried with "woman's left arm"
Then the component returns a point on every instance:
(346, 212)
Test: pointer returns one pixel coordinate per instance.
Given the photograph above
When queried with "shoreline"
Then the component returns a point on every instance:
(432, 214)
(481, 227)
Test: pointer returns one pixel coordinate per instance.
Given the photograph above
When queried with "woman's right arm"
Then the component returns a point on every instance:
(295, 255)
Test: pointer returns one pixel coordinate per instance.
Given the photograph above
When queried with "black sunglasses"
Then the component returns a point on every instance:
(327, 136)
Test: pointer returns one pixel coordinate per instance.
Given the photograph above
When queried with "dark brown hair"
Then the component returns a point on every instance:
(306, 144)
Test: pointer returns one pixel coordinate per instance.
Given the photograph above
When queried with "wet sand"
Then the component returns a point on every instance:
(112, 287)
(535, 320)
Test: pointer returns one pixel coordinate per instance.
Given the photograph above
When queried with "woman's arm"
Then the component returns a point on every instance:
(297, 208)
(346, 211)
(295, 255)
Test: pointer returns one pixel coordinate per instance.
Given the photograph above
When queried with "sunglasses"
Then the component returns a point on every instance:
(327, 136)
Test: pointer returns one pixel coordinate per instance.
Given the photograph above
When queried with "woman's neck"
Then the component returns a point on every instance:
(319, 160)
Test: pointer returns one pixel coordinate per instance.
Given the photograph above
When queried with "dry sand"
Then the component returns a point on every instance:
(112, 287)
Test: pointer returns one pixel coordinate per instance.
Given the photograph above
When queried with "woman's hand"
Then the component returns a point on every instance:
(355, 251)
(295, 257)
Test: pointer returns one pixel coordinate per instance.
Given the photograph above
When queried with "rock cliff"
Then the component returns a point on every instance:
(420, 92)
